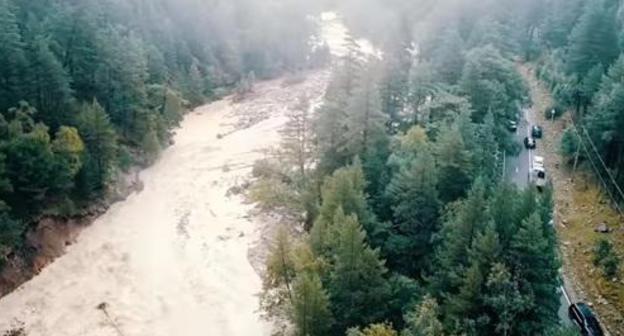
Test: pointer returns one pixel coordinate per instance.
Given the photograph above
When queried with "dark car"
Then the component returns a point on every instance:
(512, 125)
(536, 132)
(529, 143)
(584, 318)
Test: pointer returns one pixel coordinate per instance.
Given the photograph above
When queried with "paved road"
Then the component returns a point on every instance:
(517, 171)
(517, 167)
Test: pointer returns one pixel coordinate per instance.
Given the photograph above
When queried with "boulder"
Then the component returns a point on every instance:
(602, 228)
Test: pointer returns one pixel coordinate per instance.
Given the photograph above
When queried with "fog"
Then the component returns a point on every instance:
(325, 167)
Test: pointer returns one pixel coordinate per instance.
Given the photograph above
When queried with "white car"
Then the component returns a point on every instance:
(538, 161)
(537, 174)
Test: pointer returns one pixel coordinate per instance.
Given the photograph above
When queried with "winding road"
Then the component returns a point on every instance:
(517, 171)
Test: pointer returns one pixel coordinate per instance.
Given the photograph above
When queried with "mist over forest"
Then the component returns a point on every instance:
(431, 165)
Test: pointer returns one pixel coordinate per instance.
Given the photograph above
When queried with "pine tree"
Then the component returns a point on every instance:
(464, 220)
(310, 306)
(466, 306)
(365, 122)
(487, 153)
(34, 171)
(447, 58)
(492, 84)
(593, 40)
(12, 69)
(100, 140)
(414, 198)
(424, 320)
(345, 190)
(453, 162)
(195, 84)
(78, 42)
(69, 146)
(357, 287)
(560, 19)
(490, 31)
(50, 85)
(330, 127)
(379, 329)
(350, 67)
(503, 209)
(605, 120)
(280, 263)
(422, 86)
(504, 298)
(297, 136)
(536, 264)
(10, 232)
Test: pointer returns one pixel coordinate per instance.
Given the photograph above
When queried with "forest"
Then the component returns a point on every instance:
(407, 224)
(90, 88)
(410, 228)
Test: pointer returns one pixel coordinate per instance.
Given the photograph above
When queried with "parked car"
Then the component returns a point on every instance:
(537, 174)
(512, 125)
(584, 318)
(536, 132)
(529, 143)
(538, 161)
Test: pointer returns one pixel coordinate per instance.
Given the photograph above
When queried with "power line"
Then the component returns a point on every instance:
(604, 183)
(617, 187)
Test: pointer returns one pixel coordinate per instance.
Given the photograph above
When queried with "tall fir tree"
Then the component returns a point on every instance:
(310, 306)
(414, 197)
(593, 40)
(13, 68)
(357, 287)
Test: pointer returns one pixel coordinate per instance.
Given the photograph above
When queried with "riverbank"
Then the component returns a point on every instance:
(50, 236)
(172, 259)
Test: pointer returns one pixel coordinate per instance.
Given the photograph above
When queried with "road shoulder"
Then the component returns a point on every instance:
(579, 208)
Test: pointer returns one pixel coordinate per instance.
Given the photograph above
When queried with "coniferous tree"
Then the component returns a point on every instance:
(447, 58)
(379, 329)
(343, 190)
(492, 84)
(12, 69)
(535, 261)
(424, 320)
(593, 40)
(329, 128)
(10, 232)
(504, 298)
(311, 309)
(365, 120)
(357, 287)
(605, 121)
(453, 162)
(50, 85)
(414, 197)
(280, 263)
(100, 140)
(459, 229)
(297, 136)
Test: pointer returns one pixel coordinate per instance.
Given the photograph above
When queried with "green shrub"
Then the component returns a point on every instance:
(611, 266)
(605, 257)
(125, 158)
(559, 111)
(569, 143)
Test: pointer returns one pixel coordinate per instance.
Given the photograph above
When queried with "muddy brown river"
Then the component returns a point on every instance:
(173, 259)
